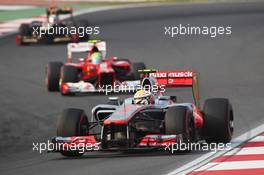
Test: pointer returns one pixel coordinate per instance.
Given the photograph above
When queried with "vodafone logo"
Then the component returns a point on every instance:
(170, 81)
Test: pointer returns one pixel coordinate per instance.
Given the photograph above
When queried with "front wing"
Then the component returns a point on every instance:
(89, 143)
(86, 87)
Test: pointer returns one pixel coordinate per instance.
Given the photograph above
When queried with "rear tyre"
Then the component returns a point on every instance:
(24, 30)
(179, 121)
(135, 68)
(53, 76)
(72, 122)
(218, 120)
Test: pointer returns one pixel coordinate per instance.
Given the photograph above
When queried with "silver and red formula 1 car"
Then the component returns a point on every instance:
(126, 125)
(111, 74)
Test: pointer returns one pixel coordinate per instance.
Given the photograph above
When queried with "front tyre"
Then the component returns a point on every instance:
(52, 76)
(72, 122)
(179, 121)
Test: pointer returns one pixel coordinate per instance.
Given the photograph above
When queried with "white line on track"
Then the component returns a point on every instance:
(16, 7)
(204, 159)
(258, 139)
(246, 151)
(237, 165)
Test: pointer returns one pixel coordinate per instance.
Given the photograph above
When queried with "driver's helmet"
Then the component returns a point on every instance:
(96, 58)
(144, 97)
(53, 19)
(52, 14)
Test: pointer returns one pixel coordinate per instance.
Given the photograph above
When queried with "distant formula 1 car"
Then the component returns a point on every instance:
(126, 125)
(31, 32)
(84, 76)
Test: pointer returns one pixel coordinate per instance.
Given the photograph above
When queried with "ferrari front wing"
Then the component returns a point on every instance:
(86, 87)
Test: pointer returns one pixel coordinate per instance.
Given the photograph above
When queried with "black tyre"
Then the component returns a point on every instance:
(70, 74)
(178, 120)
(72, 122)
(53, 75)
(218, 120)
(24, 30)
(135, 68)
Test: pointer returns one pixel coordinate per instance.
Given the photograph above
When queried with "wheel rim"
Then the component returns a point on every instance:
(231, 127)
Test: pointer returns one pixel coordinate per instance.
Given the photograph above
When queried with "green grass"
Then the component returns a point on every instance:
(6, 15)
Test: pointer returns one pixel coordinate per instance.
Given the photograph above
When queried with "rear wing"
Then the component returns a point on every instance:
(176, 79)
(58, 11)
(85, 47)
(67, 10)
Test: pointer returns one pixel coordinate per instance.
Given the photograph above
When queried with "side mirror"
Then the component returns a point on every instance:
(114, 101)
(81, 59)
(173, 98)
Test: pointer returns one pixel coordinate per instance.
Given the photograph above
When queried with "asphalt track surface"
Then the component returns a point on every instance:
(229, 66)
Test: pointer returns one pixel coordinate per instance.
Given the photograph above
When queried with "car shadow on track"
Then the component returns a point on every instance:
(124, 154)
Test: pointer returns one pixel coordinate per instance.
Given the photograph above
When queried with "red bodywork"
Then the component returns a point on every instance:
(89, 71)
(124, 115)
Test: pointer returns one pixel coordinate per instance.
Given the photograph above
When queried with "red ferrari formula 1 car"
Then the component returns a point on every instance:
(89, 75)
(128, 125)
